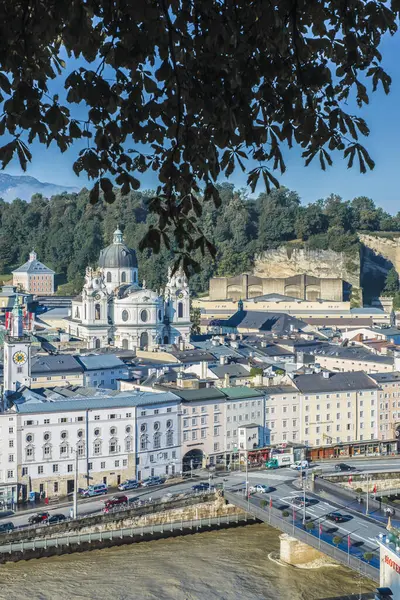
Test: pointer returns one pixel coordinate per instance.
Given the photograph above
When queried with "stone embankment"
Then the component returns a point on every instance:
(180, 516)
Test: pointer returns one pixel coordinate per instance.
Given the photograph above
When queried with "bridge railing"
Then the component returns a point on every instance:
(271, 517)
(74, 540)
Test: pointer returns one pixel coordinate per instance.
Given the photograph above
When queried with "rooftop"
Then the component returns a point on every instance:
(56, 363)
(334, 382)
(119, 401)
(386, 377)
(233, 370)
(101, 361)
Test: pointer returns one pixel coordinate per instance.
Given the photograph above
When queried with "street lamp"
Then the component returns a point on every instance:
(75, 505)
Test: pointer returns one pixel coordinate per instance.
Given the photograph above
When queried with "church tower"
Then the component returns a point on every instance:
(17, 353)
(177, 309)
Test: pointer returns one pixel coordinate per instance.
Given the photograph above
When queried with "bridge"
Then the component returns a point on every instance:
(348, 554)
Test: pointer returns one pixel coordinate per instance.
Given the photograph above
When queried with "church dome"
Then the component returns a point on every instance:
(117, 255)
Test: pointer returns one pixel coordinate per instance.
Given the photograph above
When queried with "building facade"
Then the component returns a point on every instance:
(34, 277)
(114, 309)
(41, 442)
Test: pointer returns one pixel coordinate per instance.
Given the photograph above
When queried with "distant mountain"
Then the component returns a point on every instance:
(14, 186)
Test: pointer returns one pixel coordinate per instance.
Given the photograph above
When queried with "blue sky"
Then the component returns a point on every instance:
(382, 185)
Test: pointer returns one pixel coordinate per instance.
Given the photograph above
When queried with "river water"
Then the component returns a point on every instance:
(232, 564)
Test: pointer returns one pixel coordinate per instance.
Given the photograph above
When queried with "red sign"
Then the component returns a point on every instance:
(389, 561)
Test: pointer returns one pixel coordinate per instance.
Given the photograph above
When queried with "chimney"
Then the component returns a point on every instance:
(181, 345)
(215, 342)
(203, 370)
(226, 380)
(233, 336)
(222, 360)
(263, 344)
(326, 374)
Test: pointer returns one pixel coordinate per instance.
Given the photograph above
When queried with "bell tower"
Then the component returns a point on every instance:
(177, 309)
(17, 353)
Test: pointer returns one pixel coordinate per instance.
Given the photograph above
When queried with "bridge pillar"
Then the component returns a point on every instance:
(294, 552)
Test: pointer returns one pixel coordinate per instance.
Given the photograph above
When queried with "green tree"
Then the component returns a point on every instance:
(278, 211)
(391, 283)
(193, 89)
(310, 220)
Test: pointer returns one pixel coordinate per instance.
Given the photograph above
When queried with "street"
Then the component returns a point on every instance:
(281, 480)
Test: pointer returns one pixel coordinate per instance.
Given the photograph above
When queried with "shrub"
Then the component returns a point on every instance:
(368, 556)
(359, 490)
(285, 513)
(309, 526)
(263, 504)
(336, 540)
(385, 500)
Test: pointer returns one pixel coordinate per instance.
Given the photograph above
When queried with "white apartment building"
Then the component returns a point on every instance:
(39, 442)
(323, 408)
(282, 414)
(211, 419)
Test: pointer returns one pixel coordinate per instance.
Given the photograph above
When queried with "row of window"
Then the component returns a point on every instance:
(244, 417)
(193, 435)
(157, 438)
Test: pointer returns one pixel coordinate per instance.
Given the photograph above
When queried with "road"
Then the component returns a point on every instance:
(281, 480)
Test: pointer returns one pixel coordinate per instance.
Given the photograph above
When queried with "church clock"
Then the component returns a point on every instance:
(20, 357)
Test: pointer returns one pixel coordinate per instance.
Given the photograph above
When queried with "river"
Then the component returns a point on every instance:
(232, 564)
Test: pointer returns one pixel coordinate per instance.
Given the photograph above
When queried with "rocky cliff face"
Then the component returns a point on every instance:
(286, 262)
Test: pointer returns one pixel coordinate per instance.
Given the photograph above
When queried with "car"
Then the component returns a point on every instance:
(260, 489)
(344, 467)
(338, 517)
(7, 527)
(38, 518)
(300, 501)
(299, 465)
(201, 487)
(153, 481)
(118, 500)
(129, 484)
(95, 490)
(57, 518)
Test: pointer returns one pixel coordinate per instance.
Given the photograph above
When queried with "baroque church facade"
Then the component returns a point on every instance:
(113, 309)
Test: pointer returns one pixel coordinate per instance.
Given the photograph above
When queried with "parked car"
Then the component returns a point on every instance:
(57, 518)
(260, 489)
(129, 484)
(338, 517)
(95, 490)
(38, 518)
(201, 487)
(299, 465)
(344, 467)
(7, 527)
(118, 500)
(153, 481)
(300, 501)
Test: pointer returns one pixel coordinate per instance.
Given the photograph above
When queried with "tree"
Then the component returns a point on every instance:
(189, 90)
(392, 283)
(278, 211)
(310, 220)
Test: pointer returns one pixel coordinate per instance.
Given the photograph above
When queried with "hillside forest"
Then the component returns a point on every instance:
(68, 232)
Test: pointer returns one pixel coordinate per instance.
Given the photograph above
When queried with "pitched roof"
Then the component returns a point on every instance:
(131, 400)
(233, 370)
(242, 391)
(385, 377)
(34, 267)
(57, 363)
(334, 382)
(101, 361)
(200, 394)
(263, 321)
